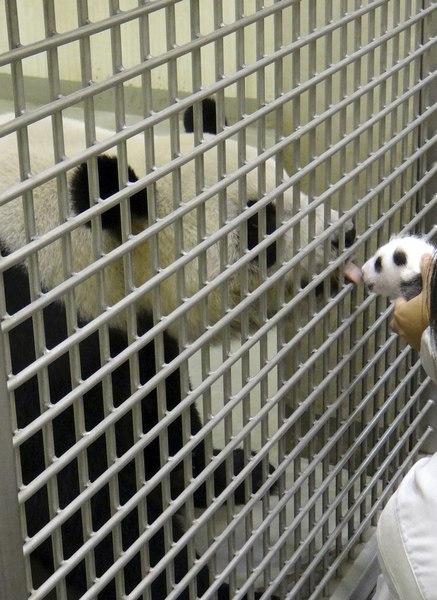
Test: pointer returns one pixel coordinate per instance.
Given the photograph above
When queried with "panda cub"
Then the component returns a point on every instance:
(394, 270)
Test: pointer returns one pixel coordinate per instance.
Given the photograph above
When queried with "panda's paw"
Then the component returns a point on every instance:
(258, 477)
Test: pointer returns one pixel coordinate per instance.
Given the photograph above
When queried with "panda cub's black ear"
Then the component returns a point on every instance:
(108, 185)
(209, 117)
(399, 257)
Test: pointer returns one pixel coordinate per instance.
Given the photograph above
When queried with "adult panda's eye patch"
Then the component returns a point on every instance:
(270, 226)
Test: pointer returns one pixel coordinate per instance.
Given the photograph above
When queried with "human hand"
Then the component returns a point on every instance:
(411, 318)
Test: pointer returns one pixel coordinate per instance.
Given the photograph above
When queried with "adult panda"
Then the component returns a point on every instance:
(50, 446)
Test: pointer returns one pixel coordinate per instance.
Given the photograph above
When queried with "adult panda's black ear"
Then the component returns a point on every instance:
(108, 185)
(209, 117)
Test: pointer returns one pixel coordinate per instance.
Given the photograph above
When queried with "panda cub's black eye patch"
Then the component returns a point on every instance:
(378, 264)
(399, 258)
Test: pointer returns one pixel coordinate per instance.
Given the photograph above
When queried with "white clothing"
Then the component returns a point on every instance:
(428, 355)
(407, 528)
(407, 535)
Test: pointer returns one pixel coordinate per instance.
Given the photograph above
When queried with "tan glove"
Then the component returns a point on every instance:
(410, 319)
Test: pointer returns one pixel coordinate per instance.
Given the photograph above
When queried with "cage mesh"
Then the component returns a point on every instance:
(310, 408)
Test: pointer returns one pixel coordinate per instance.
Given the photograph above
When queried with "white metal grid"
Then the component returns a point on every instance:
(338, 93)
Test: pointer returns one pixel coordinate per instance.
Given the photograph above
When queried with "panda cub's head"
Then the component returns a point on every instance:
(394, 270)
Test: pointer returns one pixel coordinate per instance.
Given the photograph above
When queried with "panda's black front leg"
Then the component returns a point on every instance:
(257, 476)
(222, 479)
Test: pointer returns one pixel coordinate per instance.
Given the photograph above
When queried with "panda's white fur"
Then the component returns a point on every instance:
(12, 230)
(394, 270)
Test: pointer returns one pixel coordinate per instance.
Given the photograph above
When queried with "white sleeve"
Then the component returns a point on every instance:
(428, 355)
(407, 534)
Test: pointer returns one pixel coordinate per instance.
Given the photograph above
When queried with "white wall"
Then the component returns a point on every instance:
(32, 29)
(293, 70)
